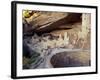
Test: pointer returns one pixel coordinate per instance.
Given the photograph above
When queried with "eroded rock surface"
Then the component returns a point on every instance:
(45, 22)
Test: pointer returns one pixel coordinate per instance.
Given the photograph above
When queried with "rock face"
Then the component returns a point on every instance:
(71, 59)
(56, 23)
(47, 22)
